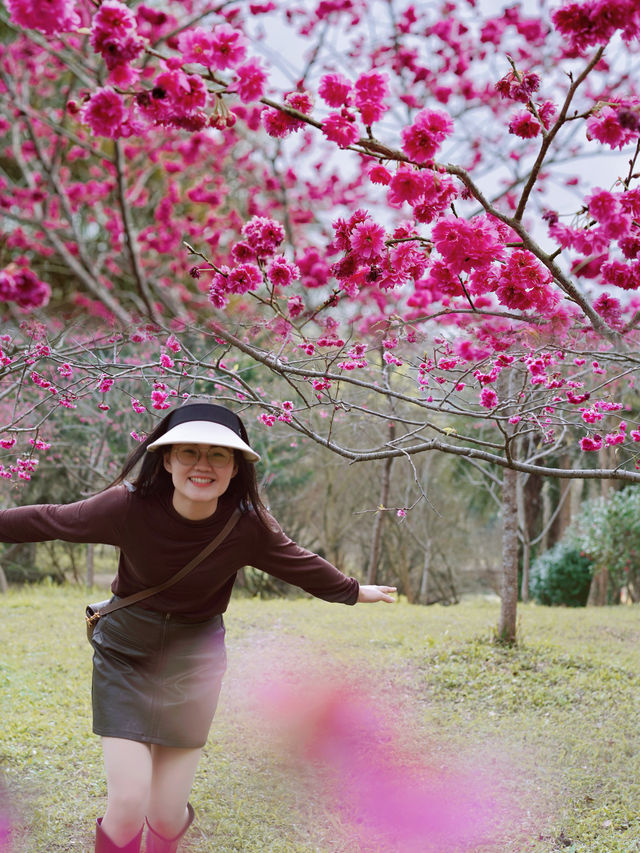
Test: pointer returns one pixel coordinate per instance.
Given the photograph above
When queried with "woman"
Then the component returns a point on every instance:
(158, 665)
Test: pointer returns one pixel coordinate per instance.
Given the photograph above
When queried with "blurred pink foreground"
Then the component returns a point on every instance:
(389, 796)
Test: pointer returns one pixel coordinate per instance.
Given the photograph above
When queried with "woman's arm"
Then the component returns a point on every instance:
(96, 519)
(279, 556)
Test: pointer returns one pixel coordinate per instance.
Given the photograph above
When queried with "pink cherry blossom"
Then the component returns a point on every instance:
(243, 278)
(228, 48)
(300, 101)
(48, 16)
(314, 269)
(524, 124)
(406, 185)
(173, 344)
(367, 240)
(488, 398)
(341, 128)
(160, 399)
(8, 290)
(421, 140)
(370, 91)
(196, 44)
(612, 439)
(295, 307)
(465, 245)
(590, 444)
(606, 128)
(114, 34)
(437, 193)
(335, 90)
(22, 286)
(595, 21)
(176, 94)
(264, 235)
(279, 124)
(625, 276)
(282, 272)
(250, 81)
(609, 309)
(379, 175)
(518, 87)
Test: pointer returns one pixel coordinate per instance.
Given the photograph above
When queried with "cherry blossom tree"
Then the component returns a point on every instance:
(425, 219)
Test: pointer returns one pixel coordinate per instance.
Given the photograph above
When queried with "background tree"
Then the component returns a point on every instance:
(376, 220)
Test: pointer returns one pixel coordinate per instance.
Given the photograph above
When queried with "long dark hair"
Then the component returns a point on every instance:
(154, 479)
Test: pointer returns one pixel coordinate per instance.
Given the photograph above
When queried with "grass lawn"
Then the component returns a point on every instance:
(558, 719)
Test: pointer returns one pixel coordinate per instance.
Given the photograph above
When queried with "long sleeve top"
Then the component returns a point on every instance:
(155, 542)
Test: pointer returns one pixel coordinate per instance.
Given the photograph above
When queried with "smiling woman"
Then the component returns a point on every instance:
(158, 664)
(200, 475)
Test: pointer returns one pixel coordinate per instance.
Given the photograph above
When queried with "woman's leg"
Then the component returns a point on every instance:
(171, 782)
(128, 766)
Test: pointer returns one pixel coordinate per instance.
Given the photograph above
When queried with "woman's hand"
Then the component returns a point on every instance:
(370, 593)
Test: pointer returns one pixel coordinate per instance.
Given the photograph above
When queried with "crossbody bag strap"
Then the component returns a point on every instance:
(146, 593)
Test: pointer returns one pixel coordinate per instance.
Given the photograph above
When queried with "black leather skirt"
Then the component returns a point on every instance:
(156, 676)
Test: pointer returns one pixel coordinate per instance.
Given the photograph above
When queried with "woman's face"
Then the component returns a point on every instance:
(201, 473)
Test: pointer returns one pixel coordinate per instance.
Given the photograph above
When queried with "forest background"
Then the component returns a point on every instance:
(400, 236)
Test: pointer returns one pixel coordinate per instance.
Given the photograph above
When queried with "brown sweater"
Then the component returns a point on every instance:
(155, 542)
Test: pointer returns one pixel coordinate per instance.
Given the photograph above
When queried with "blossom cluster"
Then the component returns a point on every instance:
(21, 285)
(366, 99)
(114, 35)
(428, 192)
(615, 125)
(262, 237)
(425, 135)
(594, 22)
(22, 468)
(608, 246)
(56, 16)
(176, 97)
(373, 257)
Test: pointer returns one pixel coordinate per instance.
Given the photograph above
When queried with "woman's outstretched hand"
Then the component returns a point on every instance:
(369, 593)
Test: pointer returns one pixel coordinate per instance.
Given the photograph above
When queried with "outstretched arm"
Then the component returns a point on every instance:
(370, 593)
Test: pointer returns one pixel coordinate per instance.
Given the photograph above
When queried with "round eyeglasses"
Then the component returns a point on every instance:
(217, 457)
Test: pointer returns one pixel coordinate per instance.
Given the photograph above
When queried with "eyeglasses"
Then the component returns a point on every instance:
(217, 457)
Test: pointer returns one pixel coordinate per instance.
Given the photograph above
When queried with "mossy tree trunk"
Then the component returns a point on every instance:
(509, 588)
(385, 487)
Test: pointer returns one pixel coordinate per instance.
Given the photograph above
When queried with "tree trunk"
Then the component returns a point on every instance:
(599, 588)
(564, 516)
(546, 516)
(4, 586)
(90, 569)
(509, 588)
(526, 565)
(524, 524)
(385, 487)
(423, 595)
(606, 456)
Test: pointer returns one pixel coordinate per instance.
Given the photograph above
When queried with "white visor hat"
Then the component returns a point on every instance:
(205, 423)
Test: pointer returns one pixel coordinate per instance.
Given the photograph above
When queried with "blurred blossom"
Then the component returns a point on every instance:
(387, 794)
(5, 823)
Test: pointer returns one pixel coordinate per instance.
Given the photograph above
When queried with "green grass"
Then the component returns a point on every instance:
(561, 713)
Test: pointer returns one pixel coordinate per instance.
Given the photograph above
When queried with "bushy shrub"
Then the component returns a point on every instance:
(608, 530)
(561, 575)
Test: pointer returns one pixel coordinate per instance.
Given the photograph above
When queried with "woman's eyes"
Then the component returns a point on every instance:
(216, 456)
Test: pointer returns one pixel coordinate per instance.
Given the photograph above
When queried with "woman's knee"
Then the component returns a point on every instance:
(128, 803)
(129, 779)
